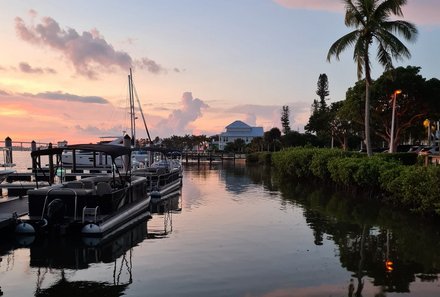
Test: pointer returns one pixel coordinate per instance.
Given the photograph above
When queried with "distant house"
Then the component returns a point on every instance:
(239, 130)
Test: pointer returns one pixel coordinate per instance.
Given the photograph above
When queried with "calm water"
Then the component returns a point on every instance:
(238, 231)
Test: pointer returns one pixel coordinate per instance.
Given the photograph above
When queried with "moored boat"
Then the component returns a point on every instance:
(92, 206)
(163, 174)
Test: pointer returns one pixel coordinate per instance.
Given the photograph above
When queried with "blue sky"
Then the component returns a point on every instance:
(198, 64)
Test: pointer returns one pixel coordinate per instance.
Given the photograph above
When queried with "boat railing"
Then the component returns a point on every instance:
(47, 197)
(155, 181)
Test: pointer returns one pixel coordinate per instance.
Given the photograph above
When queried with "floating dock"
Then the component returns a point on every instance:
(11, 209)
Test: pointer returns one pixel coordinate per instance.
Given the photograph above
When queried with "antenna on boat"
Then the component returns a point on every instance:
(132, 114)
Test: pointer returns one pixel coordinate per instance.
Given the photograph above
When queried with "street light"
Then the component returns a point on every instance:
(392, 120)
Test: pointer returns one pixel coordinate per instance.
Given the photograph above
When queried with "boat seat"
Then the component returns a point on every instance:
(74, 185)
(103, 188)
(88, 184)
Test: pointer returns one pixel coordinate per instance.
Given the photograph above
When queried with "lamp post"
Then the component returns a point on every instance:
(391, 150)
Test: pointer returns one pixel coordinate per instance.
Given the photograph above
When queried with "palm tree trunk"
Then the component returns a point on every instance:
(367, 118)
(367, 97)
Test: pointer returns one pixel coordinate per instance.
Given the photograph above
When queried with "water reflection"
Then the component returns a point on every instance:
(55, 261)
(237, 177)
(391, 247)
(296, 239)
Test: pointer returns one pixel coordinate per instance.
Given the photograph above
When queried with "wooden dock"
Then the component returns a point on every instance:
(210, 157)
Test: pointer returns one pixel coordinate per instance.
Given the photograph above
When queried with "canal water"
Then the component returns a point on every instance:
(238, 230)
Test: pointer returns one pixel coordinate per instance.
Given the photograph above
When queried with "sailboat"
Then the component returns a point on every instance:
(86, 159)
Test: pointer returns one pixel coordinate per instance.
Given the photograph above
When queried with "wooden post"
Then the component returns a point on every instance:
(126, 158)
(8, 146)
(34, 162)
(73, 161)
(51, 169)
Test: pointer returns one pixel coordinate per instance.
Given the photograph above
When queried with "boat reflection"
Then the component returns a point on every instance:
(58, 261)
(165, 208)
(67, 254)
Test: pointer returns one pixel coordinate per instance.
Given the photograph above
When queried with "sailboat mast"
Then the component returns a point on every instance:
(142, 114)
(132, 114)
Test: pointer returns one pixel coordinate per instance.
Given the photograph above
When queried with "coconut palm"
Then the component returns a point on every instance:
(371, 20)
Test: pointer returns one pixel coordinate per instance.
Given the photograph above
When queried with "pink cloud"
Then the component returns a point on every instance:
(421, 12)
(83, 50)
(26, 68)
(179, 121)
(55, 116)
(88, 51)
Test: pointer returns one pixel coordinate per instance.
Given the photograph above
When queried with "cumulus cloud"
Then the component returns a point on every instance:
(87, 51)
(178, 122)
(4, 93)
(251, 119)
(60, 96)
(269, 116)
(97, 131)
(150, 65)
(26, 68)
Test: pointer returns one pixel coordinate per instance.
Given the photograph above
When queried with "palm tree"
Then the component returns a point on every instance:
(371, 20)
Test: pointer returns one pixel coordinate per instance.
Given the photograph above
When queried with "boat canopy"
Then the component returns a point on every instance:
(112, 150)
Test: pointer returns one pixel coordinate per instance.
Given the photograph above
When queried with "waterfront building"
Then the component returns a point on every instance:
(239, 130)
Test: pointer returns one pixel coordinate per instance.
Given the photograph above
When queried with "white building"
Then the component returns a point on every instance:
(239, 130)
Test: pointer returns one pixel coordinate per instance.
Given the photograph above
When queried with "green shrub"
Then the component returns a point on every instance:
(412, 186)
(342, 170)
(319, 164)
(403, 158)
(263, 158)
(415, 187)
(294, 162)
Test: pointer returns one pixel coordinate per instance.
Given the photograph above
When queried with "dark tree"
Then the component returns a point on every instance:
(285, 122)
(371, 20)
(322, 91)
(320, 118)
(272, 139)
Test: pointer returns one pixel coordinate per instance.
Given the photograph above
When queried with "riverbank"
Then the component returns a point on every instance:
(400, 179)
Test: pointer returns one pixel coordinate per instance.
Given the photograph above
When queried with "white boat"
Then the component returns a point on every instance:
(92, 206)
(88, 159)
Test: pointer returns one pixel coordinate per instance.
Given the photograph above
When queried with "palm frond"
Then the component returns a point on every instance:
(403, 28)
(353, 18)
(392, 45)
(341, 44)
(359, 53)
(391, 6)
(384, 57)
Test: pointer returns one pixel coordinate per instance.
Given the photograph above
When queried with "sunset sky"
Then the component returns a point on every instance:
(198, 65)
